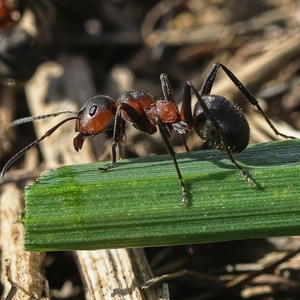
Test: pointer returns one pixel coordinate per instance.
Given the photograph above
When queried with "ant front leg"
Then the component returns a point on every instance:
(137, 120)
(117, 137)
(164, 133)
(244, 91)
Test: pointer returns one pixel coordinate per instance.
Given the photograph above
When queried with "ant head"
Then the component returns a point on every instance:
(93, 118)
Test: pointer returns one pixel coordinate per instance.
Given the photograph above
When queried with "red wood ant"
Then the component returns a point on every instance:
(216, 120)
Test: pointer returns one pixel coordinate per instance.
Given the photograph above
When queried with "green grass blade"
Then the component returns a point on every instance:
(138, 203)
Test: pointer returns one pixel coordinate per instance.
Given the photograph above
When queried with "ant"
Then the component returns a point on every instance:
(217, 121)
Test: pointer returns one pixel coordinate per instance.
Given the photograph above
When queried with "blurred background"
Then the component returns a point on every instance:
(56, 54)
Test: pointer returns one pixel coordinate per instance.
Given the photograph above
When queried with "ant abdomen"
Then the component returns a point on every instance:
(231, 120)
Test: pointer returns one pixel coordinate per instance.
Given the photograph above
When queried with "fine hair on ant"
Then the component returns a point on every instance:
(217, 121)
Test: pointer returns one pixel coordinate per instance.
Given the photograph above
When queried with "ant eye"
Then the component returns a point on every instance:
(92, 110)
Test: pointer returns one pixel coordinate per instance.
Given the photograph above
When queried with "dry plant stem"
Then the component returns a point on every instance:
(262, 67)
(243, 279)
(25, 267)
(61, 146)
(115, 273)
(18, 176)
(212, 33)
(267, 268)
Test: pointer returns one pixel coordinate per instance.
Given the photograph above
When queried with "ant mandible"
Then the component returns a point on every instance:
(216, 120)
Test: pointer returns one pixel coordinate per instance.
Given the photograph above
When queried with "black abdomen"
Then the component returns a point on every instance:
(231, 120)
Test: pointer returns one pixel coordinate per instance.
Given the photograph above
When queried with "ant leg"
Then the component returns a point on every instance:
(139, 121)
(250, 98)
(166, 88)
(209, 80)
(187, 149)
(218, 129)
(248, 178)
(206, 87)
(122, 140)
(118, 131)
(164, 134)
(113, 159)
(169, 96)
(186, 108)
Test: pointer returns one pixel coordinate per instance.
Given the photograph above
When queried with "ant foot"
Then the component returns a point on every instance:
(250, 181)
(248, 178)
(107, 168)
(184, 199)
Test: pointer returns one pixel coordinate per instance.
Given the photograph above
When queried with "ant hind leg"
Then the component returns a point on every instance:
(247, 94)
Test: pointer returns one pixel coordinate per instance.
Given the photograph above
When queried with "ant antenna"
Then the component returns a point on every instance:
(48, 133)
(33, 118)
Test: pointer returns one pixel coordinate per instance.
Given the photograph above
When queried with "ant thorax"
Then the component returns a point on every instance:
(165, 110)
